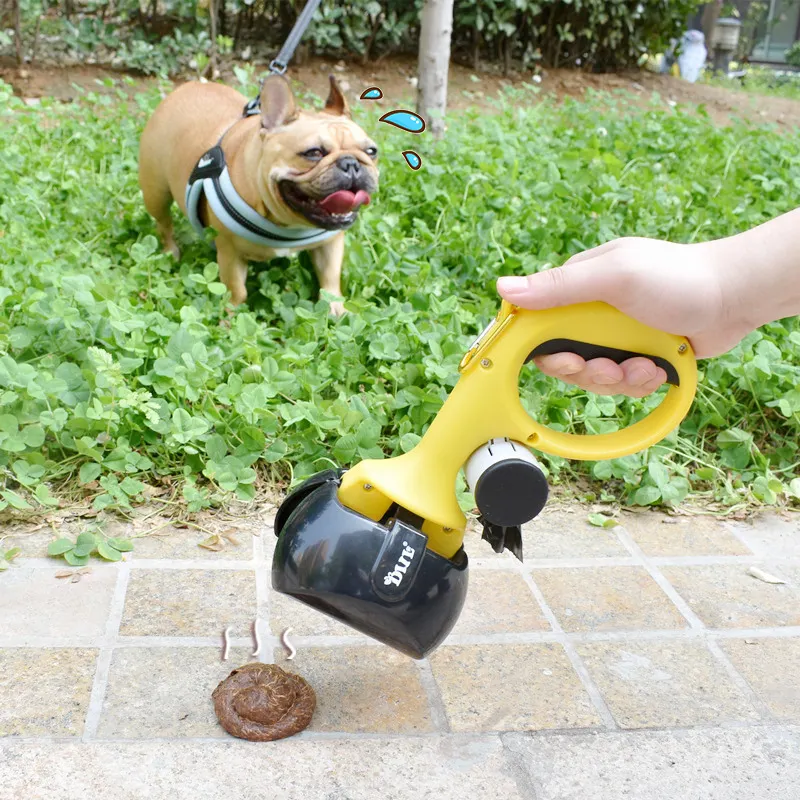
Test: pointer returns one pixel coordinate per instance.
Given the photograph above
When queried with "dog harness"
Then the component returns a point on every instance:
(210, 177)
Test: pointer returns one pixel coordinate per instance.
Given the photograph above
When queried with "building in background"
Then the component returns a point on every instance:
(771, 27)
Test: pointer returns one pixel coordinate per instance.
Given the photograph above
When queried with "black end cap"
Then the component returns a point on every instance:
(511, 492)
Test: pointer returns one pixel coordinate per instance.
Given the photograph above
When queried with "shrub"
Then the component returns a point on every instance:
(793, 55)
(164, 38)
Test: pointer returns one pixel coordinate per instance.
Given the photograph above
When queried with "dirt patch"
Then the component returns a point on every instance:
(397, 78)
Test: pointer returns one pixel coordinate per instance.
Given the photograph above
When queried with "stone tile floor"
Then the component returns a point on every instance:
(617, 646)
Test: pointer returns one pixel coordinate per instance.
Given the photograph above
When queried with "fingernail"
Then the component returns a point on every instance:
(512, 285)
(568, 370)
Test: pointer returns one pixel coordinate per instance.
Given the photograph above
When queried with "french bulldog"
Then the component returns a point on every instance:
(296, 168)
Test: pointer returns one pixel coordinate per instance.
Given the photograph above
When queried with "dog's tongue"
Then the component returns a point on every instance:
(343, 202)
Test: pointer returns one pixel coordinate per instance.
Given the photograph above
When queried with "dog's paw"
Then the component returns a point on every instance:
(173, 250)
(337, 309)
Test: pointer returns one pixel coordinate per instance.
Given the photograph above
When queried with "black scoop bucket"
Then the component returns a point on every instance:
(381, 580)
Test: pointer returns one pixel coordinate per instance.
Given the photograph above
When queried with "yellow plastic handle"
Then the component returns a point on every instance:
(485, 404)
(490, 373)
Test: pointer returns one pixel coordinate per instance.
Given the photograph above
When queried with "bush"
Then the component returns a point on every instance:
(793, 55)
(119, 368)
(593, 34)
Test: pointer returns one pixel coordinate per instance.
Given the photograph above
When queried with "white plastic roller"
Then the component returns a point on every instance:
(509, 485)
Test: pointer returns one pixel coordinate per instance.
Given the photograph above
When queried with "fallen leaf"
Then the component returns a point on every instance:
(65, 573)
(764, 576)
(213, 543)
(229, 534)
(602, 521)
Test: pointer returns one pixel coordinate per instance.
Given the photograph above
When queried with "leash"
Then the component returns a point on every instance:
(279, 64)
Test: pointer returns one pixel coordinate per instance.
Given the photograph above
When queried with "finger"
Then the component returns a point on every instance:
(580, 282)
(643, 390)
(592, 252)
(636, 377)
(605, 389)
(625, 387)
(603, 371)
(640, 371)
(560, 365)
(595, 375)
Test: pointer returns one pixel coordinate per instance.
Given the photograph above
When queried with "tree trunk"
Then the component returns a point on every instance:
(238, 30)
(365, 58)
(18, 30)
(434, 61)
(710, 16)
(212, 55)
(35, 46)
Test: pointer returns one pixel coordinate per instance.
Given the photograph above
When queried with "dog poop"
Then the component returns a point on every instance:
(262, 703)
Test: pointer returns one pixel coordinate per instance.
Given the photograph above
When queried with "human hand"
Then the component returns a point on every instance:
(676, 288)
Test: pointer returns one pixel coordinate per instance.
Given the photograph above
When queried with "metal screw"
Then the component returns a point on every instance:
(682, 349)
(367, 487)
(486, 363)
(447, 530)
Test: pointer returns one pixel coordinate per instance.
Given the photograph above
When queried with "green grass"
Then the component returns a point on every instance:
(761, 81)
(119, 368)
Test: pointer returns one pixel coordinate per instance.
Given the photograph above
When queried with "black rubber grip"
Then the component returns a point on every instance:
(589, 351)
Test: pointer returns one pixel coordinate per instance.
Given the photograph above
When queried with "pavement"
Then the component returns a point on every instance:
(642, 661)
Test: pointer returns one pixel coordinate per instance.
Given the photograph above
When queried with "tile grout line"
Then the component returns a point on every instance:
(669, 590)
(733, 528)
(595, 696)
(433, 695)
(262, 576)
(462, 736)
(463, 639)
(103, 666)
(482, 565)
(740, 681)
(696, 623)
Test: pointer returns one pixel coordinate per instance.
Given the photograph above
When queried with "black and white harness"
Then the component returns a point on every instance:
(210, 178)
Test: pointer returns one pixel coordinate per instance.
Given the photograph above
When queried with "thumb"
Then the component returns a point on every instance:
(578, 282)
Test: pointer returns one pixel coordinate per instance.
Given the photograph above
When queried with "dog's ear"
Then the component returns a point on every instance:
(278, 106)
(336, 103)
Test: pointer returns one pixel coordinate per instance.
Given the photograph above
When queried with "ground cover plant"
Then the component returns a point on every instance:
(120, 369)
(758, 80)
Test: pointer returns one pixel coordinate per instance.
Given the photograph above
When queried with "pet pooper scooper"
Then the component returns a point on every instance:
(380, 546)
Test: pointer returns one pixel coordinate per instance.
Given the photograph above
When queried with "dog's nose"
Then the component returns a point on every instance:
(349, 165)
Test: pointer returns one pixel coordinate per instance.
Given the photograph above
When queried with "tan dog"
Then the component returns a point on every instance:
(300, 170)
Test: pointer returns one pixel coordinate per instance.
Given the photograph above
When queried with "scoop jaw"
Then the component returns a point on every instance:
(378, 579)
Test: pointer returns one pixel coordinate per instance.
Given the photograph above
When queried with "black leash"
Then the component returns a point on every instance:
(279, 64)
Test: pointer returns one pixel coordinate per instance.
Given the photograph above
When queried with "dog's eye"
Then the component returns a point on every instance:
(371, 152)
(314, 154)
